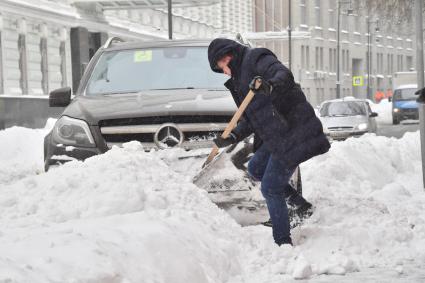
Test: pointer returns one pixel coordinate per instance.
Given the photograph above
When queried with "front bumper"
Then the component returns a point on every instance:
(343, 135)
(55, 154)
(406, 114)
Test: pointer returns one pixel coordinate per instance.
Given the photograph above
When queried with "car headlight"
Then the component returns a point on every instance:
(396, 110)
(362, 126)
(70, 131)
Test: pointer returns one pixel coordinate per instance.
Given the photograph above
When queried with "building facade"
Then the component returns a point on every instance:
(44, 43)
(314, 59)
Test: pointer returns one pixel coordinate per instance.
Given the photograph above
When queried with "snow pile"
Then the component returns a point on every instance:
(369, 198)
(384, 110)
(21, 152)
(130, 216)
(124, 216)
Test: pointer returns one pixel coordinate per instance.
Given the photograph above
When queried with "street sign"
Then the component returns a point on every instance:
(358, 81)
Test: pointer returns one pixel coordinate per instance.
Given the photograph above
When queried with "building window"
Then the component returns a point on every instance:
(330, 60)
(44, 66)
(259, 15)
(305, 57)
(307, 61)
(409, 63)
(335, 63)
(23, 67)
(302, 57)
(1, 65)
(344, 21)
(399, 63)
(317, 58)
(62, 54)
(347, 61)
(357, 25)
(317, 13)
(378, 63)
(332, 14)
(304, 12)
(391, 64)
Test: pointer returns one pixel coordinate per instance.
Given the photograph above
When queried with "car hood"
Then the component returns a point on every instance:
(151, 103)
(405, 104)
(344, 121)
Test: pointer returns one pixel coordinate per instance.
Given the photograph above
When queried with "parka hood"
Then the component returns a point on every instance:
(220, 47)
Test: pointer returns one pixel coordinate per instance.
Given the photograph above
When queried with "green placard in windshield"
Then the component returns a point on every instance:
(142, 56)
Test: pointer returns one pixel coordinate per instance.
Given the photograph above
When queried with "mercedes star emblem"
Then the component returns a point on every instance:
(168, 135)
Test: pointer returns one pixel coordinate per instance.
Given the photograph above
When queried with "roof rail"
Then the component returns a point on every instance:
(243, 40)
(110, 40)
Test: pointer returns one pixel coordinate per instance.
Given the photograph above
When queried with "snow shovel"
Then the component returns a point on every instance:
(234, 121)
(232, 124)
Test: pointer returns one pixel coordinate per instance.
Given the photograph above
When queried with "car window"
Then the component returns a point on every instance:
(368, 108)
(125, 71)
(405, 94)
(343, 108)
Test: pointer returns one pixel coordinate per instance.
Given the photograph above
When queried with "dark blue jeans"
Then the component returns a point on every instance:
(274, 177)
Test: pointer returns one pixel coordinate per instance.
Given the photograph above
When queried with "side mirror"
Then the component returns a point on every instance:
(373, 114)
(60, 97)
(421, 93)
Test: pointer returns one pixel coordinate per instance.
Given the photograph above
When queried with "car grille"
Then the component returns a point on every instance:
(196, 131)
(176, 119)
(340, 128)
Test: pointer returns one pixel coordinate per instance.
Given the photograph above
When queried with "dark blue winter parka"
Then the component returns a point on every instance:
(284, 121)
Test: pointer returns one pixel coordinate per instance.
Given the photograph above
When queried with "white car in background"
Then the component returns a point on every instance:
(347, 117)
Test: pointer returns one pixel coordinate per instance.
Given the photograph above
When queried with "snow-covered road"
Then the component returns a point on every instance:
(130, 216)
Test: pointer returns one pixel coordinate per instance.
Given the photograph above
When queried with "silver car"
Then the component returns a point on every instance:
(344, 118)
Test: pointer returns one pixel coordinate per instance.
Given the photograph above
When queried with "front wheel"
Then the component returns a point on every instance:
(396, 121)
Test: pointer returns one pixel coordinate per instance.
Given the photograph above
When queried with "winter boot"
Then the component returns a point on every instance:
(285, 241)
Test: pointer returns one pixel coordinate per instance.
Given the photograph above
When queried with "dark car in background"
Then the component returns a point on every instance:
(404, 103)
(162, 94)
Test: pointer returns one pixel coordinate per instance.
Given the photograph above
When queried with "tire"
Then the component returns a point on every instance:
(396, 121)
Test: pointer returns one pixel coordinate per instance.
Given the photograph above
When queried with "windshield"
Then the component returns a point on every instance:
(343, 108)
(126, 71)
(405, 94)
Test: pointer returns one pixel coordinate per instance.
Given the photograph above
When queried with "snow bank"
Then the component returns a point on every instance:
(384, 110)
(129, 216)
(21, 152)
(370, 202)
(124, 216)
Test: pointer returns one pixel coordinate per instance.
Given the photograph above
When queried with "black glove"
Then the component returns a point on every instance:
(264, 87)
(225, 142)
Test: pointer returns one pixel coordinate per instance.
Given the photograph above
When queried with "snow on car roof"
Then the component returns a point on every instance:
(407, 86)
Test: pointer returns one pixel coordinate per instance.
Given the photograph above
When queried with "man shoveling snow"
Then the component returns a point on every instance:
(287, 131)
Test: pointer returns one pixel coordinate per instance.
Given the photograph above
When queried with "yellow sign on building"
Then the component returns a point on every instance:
(358, 81)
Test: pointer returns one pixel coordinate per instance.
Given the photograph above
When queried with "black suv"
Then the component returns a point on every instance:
(160, 93)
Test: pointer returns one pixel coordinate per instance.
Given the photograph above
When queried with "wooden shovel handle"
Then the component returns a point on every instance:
(233, 122)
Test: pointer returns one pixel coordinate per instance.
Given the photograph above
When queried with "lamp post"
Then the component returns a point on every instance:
(369, 55)
(289, 35)
(420, 75)
(170, 19)
(338, 44)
